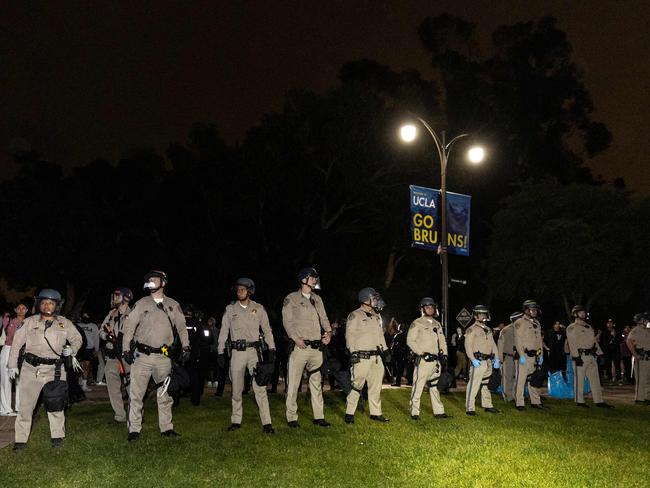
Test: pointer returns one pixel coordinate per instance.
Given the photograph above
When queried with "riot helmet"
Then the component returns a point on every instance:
(428, 301)
(305, 273)
(149, 285)
(372, 296)
(481, 309)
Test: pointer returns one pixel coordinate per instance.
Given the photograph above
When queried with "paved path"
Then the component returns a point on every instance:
(99, 395)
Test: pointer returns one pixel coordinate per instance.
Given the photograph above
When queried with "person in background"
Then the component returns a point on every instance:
(626, 356)
(555, 341)
(611, 345)
(9, 325)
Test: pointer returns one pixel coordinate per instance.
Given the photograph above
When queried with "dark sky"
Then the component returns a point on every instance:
(90, 79)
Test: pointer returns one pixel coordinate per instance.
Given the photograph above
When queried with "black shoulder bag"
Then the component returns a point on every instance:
(55, 392)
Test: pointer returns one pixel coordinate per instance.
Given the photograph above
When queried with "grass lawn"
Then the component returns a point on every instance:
(565, 446)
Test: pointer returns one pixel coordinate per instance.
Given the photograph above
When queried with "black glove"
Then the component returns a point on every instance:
(221, 360)
(271, 356)
(385, 356)
(443, 362)
(578, 361)
(128, 357)
(185, 355)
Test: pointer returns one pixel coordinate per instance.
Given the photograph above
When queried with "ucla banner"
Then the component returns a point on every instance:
(425, 225)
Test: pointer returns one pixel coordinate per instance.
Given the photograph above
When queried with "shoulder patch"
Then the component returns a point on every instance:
(286, 302)
(351, 316)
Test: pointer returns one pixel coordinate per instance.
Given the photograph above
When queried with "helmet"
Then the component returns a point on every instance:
(155, 273)
(49, 294)
(370, 294)
(305, 273)
(429, 301)
(516, 315)
(246, 283)
(640, 317)
(576, 309)
(126, 295)
(528, 304)
(481, 309)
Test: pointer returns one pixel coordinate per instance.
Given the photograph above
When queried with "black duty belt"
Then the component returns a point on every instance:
(508, 354)
(430, 357)
(242, 345)
(533, 353)
(587, 352)
(143, 348)
(313, 344)
(364, 354)
(480, 355)
(644, 354)
(35, 360)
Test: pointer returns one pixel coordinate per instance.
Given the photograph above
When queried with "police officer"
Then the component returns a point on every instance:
(483, 355)
(246, 324)
(111, 334)
(307, 325)
(507, 352)
(427, 341)
(150, 325)
(638, 341)
(584, 349)
(529, 347)
(364, 336)
(44, 337)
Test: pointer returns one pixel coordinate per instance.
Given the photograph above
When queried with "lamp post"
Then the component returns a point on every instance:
(476, 154)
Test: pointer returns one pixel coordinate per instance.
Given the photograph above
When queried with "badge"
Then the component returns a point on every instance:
(171, 309)
(62, 325)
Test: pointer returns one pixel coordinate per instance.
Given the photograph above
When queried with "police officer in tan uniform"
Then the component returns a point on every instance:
(506, 346)
(150, 325)
(483, 355)
(529, 348)
(307, 325)
(246, 324)
(584, 349)
(48, 338)
(427, 341)
(111, 335)
(638, 341)
(364, 337)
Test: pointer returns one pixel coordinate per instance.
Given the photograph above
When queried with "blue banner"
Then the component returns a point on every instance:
(425, 225)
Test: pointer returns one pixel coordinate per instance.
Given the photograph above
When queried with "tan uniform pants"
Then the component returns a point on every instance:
(240, 361)
(154, 366)
(31, 383)
(369, 371)
(588, 369)
(508, 372)
(478, 381)
(312, 359)
(642, 380)
(114, 383)
(422, 374)
(521, 378)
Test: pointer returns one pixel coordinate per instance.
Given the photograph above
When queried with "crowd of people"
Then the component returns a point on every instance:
(154, 345)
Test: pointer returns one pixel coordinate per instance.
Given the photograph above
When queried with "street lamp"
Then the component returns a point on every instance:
(476, 154)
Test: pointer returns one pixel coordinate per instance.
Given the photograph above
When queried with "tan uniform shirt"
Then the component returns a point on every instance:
(150, 325)
(506, 341)
(33, 334)
(364, 331)
(580, 335)
(528, 335)
(114, 321)
(640, 335)
(479, 338)
(303, 319)
(426, 335)
(244, 325)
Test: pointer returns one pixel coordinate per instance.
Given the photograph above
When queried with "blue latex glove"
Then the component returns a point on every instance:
(540, 360)
(475, 362)
(522, 359)
(496, 364)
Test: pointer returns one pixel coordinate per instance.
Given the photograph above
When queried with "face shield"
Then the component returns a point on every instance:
(377, 302)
